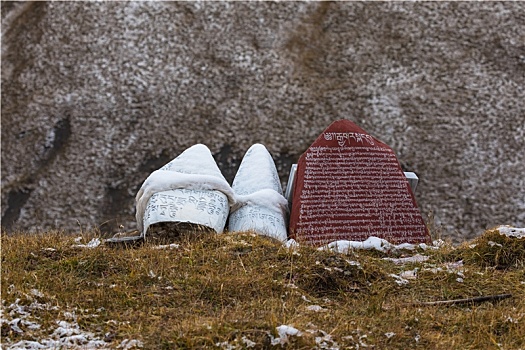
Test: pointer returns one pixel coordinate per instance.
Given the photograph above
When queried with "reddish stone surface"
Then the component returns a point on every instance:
(350, 186)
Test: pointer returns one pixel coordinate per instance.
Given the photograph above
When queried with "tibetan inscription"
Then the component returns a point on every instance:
(350, 186)
(204, 207)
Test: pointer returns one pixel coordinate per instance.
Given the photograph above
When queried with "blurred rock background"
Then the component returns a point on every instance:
(96, 95)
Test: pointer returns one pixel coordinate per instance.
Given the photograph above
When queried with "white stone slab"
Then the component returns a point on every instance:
(260, 206)
(412, 180)
(289, 186)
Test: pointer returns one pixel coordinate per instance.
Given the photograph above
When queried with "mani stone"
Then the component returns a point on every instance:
(261, 206)
(189, 191)
(350, 186)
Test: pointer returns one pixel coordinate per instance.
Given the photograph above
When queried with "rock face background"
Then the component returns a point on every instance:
(95, 96)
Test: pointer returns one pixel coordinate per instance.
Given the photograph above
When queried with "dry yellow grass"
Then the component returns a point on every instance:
(233, 290)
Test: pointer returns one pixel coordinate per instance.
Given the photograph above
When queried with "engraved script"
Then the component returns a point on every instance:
(352, 188)
(168, 206)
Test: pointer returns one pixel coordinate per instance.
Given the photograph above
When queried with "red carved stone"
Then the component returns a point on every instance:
(350, 186)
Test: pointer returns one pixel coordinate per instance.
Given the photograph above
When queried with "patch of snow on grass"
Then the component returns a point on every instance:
(325, 341)
(316, 308)
(284, 332)
(66, 335)
(127, 344)
(492, 244)
(512, 231)
(398, 279)
(382, 245)
(291, 244)
(411, 259)
(410, 274)
(95, 242)
(247, 342)
(167, 246)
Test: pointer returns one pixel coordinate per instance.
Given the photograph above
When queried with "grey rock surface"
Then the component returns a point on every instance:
(96, 95)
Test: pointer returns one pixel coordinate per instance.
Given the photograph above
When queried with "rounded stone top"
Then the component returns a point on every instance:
(256, 172)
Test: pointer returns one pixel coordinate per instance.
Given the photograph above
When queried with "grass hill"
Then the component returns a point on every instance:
(243, 291)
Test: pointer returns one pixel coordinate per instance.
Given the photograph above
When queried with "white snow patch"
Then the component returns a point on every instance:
(316, 308)
(382, 245)
(67, 335)
(398, 279)
(389, 334)
(127, 344)
(512, 231)
(411, 259)
(266, 198)
(167, 246)
(409, 275)
(284, 332)
(450, 267)
(225, 345)
(291, 244)
(95, 242)
(37, 293)
(325, 341)
(439, 243)
(247, 342)
(343, 246)
(492, 244)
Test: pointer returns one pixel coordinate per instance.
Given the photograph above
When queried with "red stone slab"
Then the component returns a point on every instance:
(350, 186)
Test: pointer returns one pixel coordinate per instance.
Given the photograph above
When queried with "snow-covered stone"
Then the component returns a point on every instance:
(188, 189)
(260, 205)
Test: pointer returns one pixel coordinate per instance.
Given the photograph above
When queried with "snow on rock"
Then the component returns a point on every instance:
(193, 169)
(196, 159)
(256, 172)
(266, 198)
(260, 205)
